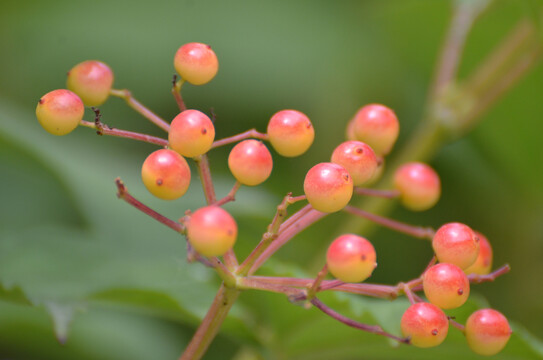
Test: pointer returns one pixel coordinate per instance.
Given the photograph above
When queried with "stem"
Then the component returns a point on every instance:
(387, 194)
(231, 196)
(456, 324)
(103, 129)
(136, 105)
(415, 231)
(249, 283)
(176, 92)
(211, 323)
(355, 324)
(245, 135)
(477, 279)
(122, 193)
(317, 282)
(225, 274)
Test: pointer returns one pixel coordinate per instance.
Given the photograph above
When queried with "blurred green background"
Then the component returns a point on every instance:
(84, 258)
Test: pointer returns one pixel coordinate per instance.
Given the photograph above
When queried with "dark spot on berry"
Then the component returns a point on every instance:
(230, 232)
(204, 131)
(68, 73)
(359, 150)
(460, 291)
(41, 101)
(363, 257)
(434, 332)
(308, 125)
(209, 47)
(346, 177)
(159, 182)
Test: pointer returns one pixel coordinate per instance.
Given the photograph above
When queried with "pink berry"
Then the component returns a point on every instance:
(60, 111)
(351, 258)
(483, 263)
(457, 244)
(250, 162)
(446, 286)
(419, 185)
(358, 159)
(328, 187)
(212, 231)
(291, 132)
(92, 81)
(196, 63)
(487, 331)
(425, 324)
(191, 133)
(349, 130)
(377, 126)
(166, 174)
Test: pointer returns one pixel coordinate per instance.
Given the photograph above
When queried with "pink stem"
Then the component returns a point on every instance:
(387, 194)
(245, 135)
(139, 107)
(103, 129)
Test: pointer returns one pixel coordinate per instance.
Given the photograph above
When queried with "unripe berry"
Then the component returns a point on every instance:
(212, 231)
(358, 159)
(328, 187)
(419, 185)
(291, 132)
(166, 174)
(457, 244)
(92, 81)
(191, 133)
(425, 324)
(349, 130)
(196, 63)
(250, 162)
(483, 263)
(377, 126)
(60, 111)
(487, 331)
(351, 258)
(445, 285)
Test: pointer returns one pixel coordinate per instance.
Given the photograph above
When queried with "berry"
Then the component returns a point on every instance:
(483, 263)
(291, 132)
(487, 331)
(377, 126)
(425, 324)
(351, 258)
(419, 186)
(92, 81)
(191, 133)
(358, 159)
(328, 187)
(166, 174)
(457, 244)
(196, 63)
(250, 162)
(349, 130)
(212, 231)
(445, 285)
(60, 111)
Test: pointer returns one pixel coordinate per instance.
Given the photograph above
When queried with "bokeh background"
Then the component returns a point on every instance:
(72, 255)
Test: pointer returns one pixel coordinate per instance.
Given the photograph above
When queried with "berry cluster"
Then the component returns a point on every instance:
(463, 255)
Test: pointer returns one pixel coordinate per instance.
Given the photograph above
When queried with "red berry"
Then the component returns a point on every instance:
(60, 111)
(92, 81)
(487, 331)
(191, 133)
(425, 324)
(166, 174)
(212, 231)
(250, 162)
(457, 244)
(291, 132)
(328, 187)
(419, 185)
(196, 63)
(351, 258)
(377, 126)
(358, 159)
(483, 263)
(445, 285)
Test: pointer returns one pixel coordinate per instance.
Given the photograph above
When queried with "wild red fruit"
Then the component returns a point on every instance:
(445, 285)
(250, 162)
(358, 159)
(212, 231)
(419, 185)
(351, 258)
(328, 187)
(487, 331)
(291, 132)
(91, 80)
(377, 126)
(166, 174)
(483, 263)
(196, 63)
(425, 324)
(457, 244)
(60, 111)
(191, 133)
